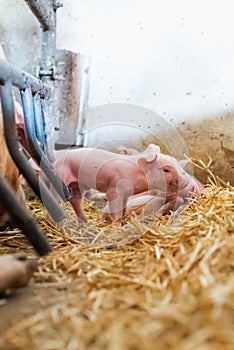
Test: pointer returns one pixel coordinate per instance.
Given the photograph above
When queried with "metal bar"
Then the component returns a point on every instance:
(44, 13)
(19, 158)
(22, 219)
(22, 80)
(37, 152)
(29, 123)
(39, 121)
(47, 56)
(49, 129)
(83, 98)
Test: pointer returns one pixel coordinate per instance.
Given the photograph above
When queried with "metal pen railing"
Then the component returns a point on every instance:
(35, 95)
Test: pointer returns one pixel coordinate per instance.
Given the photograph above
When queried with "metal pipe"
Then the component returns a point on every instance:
(43, 12)
(49, 128)
(47, 72)
(22, 219)
(39, 121)
(22, 80)
(83, 98)
(37, 152)
(19, 158)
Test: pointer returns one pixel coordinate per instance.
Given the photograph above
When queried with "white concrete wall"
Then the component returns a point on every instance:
(174, 58)
(19, 34)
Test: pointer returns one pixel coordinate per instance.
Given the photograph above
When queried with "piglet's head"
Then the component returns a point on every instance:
(163, 172)
(178, 181)
(149, 163)
(176, 178)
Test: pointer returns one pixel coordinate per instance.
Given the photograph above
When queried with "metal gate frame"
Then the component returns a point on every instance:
(35, 95)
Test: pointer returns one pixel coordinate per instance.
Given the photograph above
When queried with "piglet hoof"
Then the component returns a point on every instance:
(15, 272)
(106, 217)
(109, 219)
(82, 221)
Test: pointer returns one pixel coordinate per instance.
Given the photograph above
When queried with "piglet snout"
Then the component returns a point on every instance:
(15, 271)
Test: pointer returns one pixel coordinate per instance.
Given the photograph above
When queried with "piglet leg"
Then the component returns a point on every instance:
(154, 205)
(171, 205)
(115, 208)
(75, 201)
(162, 205)
(15, 271)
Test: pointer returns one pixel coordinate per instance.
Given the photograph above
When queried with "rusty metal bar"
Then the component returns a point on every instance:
(19, 158)
(22, 80)
(44, 12)
(22, 219)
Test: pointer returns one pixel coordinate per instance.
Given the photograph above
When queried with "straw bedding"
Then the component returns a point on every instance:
(165, 282)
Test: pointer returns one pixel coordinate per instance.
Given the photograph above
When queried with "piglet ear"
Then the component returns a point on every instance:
(153, 148)
(184, 162)
(152, 152)
(147, 159)
(149, 156)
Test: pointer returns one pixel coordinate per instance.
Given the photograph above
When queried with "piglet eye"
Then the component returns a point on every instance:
(166, 170)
